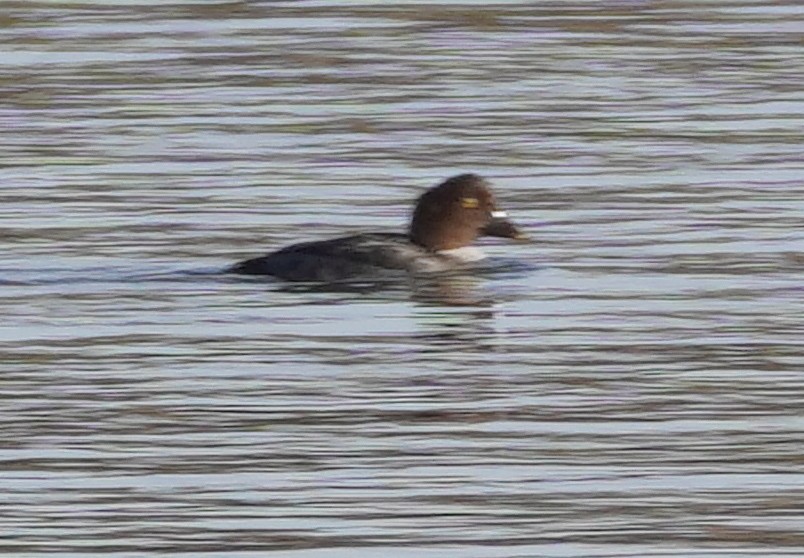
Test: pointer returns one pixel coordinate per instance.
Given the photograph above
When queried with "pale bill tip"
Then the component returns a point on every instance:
(499, 214)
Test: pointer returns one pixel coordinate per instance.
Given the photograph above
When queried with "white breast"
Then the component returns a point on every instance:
(465, 255)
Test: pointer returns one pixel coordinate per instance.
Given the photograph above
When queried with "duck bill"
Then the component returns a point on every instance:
(503, 228)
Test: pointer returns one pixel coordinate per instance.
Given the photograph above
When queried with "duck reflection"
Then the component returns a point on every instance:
(441, 290)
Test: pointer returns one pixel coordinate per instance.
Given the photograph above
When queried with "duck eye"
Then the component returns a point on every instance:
(470, 203)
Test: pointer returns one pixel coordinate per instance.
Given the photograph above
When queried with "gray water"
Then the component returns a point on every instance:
(629, 384)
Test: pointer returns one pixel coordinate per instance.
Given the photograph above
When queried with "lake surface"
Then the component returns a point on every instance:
(629, 384)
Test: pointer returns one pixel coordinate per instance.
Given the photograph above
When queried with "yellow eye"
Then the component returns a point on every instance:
(470, 203)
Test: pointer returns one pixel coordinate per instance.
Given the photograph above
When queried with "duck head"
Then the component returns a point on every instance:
(458, 211)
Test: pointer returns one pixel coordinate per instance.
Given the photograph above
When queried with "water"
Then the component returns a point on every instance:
(629, 385)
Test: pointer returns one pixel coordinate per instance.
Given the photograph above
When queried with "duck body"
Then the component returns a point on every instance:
(341, 258)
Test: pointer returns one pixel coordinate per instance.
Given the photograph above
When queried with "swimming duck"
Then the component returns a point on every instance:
(447, 219)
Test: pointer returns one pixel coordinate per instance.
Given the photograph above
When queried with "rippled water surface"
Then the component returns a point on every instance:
(629, 384)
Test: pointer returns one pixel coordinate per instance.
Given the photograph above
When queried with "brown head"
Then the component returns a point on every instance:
(456, 212)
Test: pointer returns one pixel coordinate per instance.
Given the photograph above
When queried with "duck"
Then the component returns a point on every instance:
(446, 221)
